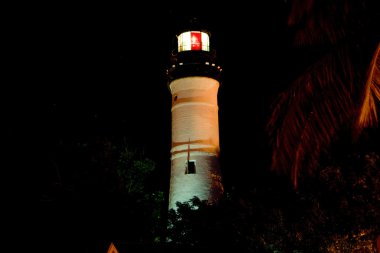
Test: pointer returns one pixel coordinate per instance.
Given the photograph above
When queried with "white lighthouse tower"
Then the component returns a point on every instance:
(194, 80)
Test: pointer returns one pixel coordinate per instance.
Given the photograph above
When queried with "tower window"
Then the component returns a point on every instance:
(190, 168)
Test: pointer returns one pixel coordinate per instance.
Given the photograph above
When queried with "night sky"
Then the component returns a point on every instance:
(97, 71)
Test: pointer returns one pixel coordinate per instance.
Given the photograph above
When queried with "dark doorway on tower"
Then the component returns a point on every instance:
(190, 167)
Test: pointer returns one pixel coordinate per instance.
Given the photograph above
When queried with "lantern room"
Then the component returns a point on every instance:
(193, 56)
(193, 41)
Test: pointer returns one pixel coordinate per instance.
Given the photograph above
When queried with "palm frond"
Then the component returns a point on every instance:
(368, 116)
(321, 22)
(308, 115)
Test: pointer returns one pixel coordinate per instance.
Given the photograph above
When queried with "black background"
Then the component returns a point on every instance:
(78, 73)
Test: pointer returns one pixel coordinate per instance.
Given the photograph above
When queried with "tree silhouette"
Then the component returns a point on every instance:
(335, 210)
(338, 42)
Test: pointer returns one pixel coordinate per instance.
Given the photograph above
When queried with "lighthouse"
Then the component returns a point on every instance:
(193, 81)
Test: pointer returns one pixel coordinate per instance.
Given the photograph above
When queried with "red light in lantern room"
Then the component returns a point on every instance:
(196, 41)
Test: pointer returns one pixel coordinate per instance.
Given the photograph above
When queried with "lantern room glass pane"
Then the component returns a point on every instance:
(205, 42)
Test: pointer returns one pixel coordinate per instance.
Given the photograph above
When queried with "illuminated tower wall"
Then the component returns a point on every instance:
(194, 82)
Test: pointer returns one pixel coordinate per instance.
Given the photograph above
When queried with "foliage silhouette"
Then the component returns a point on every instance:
(336, 209)
(339, 88)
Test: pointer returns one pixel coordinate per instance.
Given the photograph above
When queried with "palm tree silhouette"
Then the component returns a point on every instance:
(339, 88)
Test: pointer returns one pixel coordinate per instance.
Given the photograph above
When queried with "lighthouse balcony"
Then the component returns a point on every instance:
(194, 63)
(185, 69)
